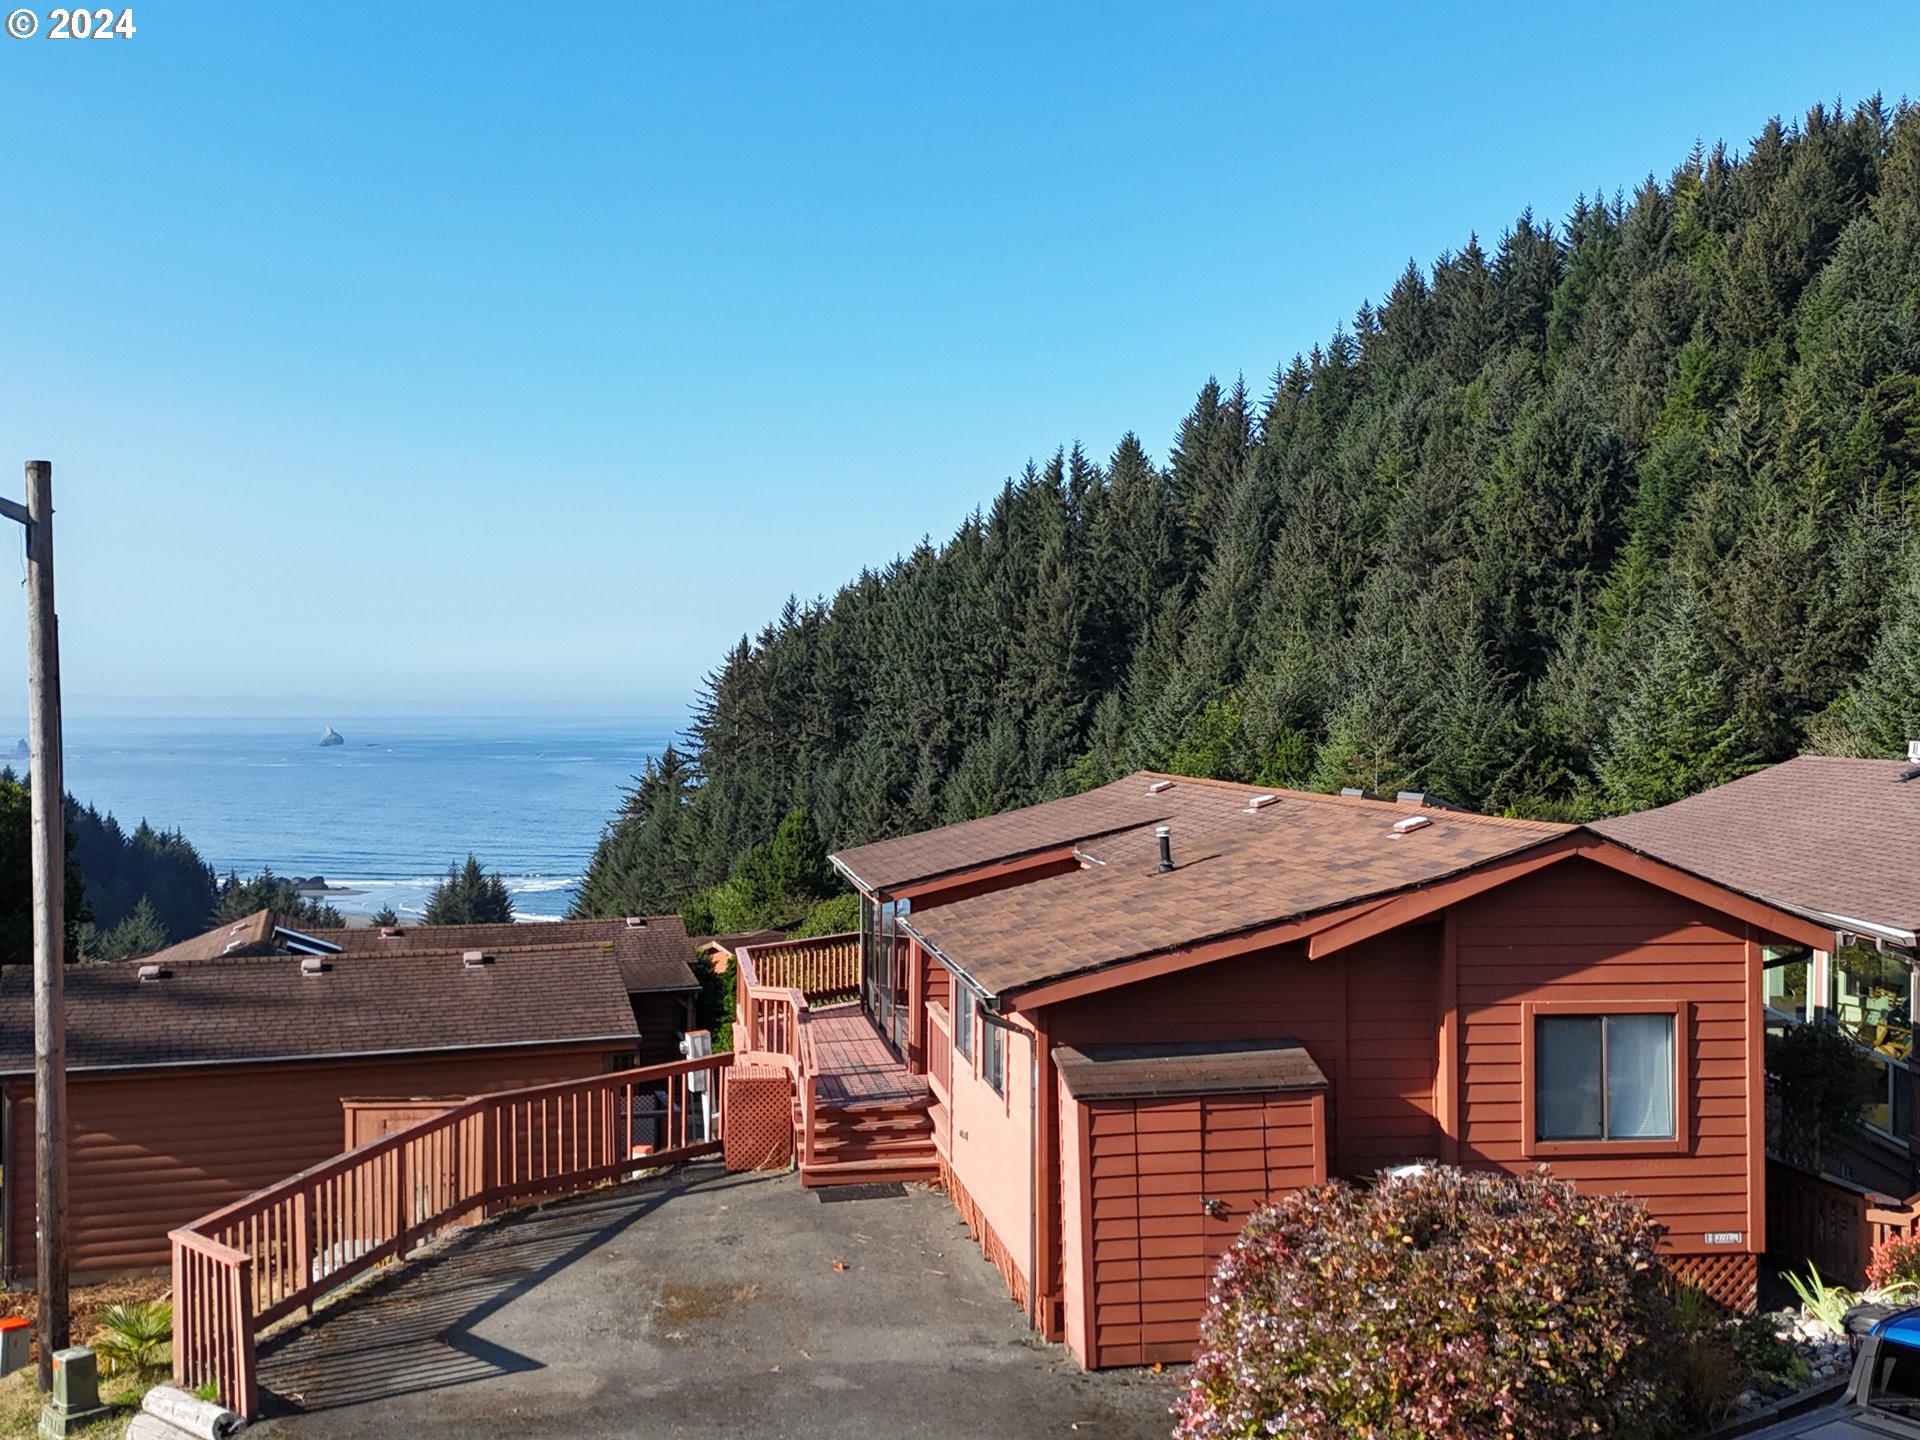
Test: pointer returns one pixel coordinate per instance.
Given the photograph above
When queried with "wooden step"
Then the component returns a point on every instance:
(867, 1172)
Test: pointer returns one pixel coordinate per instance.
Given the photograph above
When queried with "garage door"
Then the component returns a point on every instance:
(1170, 1183)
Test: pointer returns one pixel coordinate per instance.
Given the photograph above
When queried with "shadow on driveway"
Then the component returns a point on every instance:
(699, 1304)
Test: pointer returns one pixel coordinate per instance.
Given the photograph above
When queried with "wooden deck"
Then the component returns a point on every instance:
(855, 1067)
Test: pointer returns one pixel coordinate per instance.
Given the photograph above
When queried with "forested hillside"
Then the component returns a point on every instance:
(1577, 522)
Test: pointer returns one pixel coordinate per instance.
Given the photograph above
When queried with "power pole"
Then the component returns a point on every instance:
(49, 913)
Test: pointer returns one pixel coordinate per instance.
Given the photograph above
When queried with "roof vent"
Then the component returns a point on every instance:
(1913, 752)
(1260, 802)
(313, 965)
(1164, 834)
(1352, 792)
(475, 959)
(1407, 826)
(1410, 797)
(153, 972)
(636, 922)
(1159, 787)
(233, 945)
(389, 932)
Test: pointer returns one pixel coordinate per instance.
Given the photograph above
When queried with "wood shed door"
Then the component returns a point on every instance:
(1171, 1186)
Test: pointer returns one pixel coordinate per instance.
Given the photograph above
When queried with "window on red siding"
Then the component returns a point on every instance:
(1603, 1077)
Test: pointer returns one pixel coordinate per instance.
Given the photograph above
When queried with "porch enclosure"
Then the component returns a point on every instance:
(1830, 1223)
(242, 1268)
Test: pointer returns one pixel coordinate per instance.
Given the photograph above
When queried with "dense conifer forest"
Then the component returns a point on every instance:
(1579, 521)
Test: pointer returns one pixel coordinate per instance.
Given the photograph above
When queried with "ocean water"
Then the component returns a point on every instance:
(382, 814)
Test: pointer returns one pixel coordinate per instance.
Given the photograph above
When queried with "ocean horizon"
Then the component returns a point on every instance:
(383, 813)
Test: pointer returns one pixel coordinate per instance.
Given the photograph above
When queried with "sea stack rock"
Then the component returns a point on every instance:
(333, 737)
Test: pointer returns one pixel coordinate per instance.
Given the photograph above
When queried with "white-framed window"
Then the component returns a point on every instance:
(1605, 1076)
(964, 1004)
(993, 1057)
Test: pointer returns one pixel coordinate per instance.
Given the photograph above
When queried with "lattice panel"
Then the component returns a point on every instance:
(1731, 1280)
(759, 1111)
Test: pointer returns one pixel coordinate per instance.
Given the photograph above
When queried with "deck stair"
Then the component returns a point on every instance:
(872, 1118)
(872, 1140)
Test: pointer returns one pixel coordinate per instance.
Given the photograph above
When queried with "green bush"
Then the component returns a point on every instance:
(838, 916)
(1446, 1303)
(134, 1336)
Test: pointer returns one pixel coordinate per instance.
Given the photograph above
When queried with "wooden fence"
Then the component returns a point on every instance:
(1830, 1223)
(240, 1269)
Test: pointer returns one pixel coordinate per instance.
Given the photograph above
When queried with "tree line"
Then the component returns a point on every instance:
(1576, 523)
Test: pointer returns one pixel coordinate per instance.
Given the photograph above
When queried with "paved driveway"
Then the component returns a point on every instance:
(704, 1304)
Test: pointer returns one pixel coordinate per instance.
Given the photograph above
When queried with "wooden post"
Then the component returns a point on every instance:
(49, 919)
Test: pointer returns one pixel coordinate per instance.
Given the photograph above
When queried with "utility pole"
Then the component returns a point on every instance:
(49, 912)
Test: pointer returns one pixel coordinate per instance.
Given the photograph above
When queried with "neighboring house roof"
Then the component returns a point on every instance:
(264, 1008)
(265, 932)
(1236, 870)
(1832, 838)
(653, 951)
(1197, 1067)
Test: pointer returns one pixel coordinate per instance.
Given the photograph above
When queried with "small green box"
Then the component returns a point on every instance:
(76, 1394)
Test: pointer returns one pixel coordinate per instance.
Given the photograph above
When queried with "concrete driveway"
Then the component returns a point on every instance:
(701, 1304)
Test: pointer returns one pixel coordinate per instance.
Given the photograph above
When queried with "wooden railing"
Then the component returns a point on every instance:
(819, 968)
(939, 1052)
(1830, 1223)
(242, 1268)
(773, 991)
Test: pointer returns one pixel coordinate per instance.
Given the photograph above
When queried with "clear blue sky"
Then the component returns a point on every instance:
(501, 358)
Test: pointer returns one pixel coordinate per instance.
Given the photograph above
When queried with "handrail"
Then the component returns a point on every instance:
(248, 1264)
(818, 967)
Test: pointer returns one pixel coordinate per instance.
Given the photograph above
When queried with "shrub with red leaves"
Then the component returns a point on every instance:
(1443, 1304)
(1895, 1264)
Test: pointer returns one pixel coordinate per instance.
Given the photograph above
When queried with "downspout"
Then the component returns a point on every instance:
(988, 1017)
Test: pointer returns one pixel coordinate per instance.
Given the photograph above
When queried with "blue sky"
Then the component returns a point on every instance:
(494, 359)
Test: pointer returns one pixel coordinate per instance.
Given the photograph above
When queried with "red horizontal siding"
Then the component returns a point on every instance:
(154, 1151)
(1583, 932)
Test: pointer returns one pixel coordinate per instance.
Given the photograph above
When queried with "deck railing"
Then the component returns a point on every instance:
(820, 968)
(1830, 1223)
(773, 991)
(939, 1052)
(242, 1268)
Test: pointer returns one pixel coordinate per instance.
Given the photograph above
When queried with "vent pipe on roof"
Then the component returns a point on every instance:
(1164, 834)
(1913, 752)
(636, 922)
(389, 932)
(475, 959)
(313, 965)
(1159, 787)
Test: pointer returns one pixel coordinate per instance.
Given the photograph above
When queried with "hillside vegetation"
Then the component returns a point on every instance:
(1574, 523)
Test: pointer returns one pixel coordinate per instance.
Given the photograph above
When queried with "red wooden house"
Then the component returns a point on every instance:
(1138, 1012)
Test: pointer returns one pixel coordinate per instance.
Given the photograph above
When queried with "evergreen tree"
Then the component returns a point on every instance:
(267, 891)
(1589, 522)
(469, 896)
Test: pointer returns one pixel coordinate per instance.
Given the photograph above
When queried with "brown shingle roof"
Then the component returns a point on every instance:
(262, 1007)
(653, 956)
(250, 935)
(1833, 838)
(1195, 1067)
(1236, 870)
